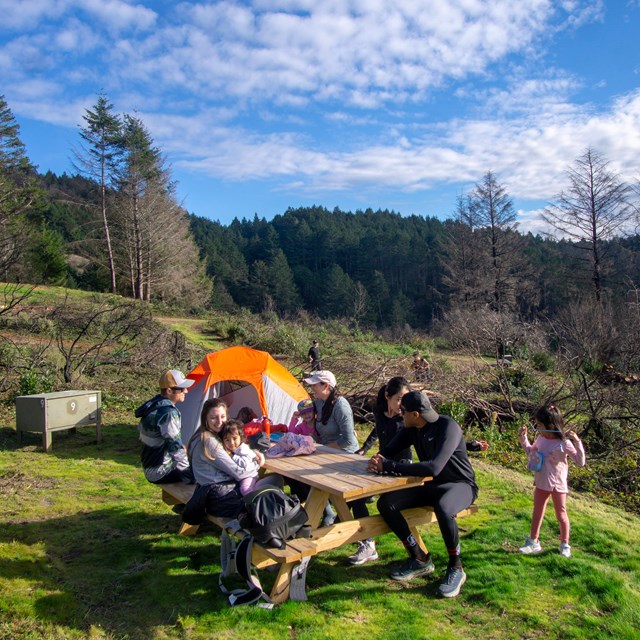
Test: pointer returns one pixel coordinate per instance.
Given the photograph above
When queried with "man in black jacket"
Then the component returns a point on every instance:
(442, 453)
(313, 357)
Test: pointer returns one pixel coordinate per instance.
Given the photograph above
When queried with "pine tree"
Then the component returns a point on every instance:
(19, 194)
(155, 242)
(493, 210)
(99, 159)
(461, 256)
(140, 175)
(281, 284)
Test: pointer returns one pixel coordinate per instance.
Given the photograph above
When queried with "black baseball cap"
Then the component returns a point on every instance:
(418, 401)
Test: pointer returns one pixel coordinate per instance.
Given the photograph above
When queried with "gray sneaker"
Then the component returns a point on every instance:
(366, 553)
(530, 546)
(453, 580)
(412, 568)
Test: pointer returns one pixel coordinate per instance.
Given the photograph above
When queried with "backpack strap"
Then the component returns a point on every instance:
(237, 559)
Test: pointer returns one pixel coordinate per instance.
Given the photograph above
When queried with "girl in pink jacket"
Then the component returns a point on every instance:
(303, 420)
(549, 458)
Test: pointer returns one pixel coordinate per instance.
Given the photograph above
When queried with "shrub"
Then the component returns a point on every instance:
(34, 382)
(543, 361)
(519, 381)
(455, 409)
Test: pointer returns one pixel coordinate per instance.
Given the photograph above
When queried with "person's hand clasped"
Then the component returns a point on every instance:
(259, 457)
(483, 444)
(376, 464)
(573, 436)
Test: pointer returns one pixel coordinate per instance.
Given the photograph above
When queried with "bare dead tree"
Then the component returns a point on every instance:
(13, 295)
(596, 207)
(91, 338)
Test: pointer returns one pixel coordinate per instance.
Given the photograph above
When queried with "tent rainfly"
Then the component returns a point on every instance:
(242, 377)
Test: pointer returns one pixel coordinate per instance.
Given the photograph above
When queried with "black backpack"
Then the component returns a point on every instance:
(272, 517)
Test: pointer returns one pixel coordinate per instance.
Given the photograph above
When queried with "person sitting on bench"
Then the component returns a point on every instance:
(442, 452)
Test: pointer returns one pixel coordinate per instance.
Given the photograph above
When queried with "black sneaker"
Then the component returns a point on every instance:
(453, 580)
(412, 568)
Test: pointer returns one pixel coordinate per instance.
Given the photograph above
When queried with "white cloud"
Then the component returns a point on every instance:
(365, 53)
(253, 75)
(530, 156)
(27, 13)
(119, 14)
(114, 14)
(362, 53)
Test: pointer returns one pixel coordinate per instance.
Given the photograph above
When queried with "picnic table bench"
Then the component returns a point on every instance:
(333, 475)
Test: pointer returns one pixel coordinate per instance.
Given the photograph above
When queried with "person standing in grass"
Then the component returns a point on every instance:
(548, 457)
(313, 357)
(164, 458)
(442, 455)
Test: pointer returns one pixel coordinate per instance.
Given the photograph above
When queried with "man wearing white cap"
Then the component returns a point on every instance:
(164, 457)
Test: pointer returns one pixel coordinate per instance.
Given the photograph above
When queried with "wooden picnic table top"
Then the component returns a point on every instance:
(342, 475)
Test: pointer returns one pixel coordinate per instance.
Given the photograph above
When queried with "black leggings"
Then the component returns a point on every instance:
(447, 500)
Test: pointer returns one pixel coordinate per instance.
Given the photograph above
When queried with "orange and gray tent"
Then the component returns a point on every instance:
(242, 377)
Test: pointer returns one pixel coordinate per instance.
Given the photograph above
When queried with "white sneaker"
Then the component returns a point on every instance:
(366, 552)
(565, 550)
(530, 546)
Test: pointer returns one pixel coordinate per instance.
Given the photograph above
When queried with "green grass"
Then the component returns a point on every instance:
(88, 550)
(192, 330)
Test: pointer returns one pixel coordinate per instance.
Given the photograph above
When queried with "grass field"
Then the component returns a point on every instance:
(88, 550)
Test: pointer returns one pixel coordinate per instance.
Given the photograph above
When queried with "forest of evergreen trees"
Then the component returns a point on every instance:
(107, 229)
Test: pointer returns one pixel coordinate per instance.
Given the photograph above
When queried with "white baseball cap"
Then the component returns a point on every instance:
(325, 377)
(174, 378)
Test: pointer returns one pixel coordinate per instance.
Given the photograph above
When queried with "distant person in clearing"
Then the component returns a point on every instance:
(164, 457)
(421, 367)
(313, 356)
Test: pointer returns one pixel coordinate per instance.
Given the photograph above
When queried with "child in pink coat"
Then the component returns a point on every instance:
(303, 420)
(548, 457)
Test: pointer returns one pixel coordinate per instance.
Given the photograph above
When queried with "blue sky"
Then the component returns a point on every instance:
(260, 105)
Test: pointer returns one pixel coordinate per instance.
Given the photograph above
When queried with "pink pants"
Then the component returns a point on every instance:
(540, 499)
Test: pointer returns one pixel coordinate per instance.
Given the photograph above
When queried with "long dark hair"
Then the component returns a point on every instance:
(206, 407)
(551, 418)
(202, 432)
(329, 403)
(393, 386)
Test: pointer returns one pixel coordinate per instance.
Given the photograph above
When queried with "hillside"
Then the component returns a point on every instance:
(89, 550)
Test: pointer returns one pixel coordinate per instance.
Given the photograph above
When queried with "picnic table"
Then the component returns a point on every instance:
(340, 478)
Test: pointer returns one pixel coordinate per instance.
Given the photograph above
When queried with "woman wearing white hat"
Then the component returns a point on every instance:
(335, 428)
(334, 423)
